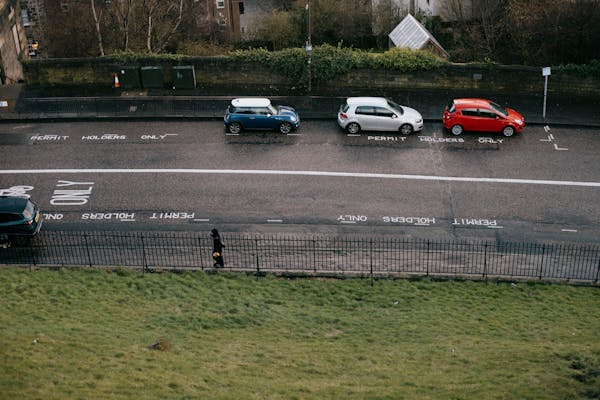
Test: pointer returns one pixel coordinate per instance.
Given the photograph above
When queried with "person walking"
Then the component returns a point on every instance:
(217, 248)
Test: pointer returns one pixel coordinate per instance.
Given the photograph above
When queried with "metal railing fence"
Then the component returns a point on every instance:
(330, 255)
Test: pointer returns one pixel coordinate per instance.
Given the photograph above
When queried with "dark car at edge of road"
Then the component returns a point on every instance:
(259, 114)
(20, 219)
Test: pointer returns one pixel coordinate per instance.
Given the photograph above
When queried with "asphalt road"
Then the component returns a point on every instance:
(132, 175)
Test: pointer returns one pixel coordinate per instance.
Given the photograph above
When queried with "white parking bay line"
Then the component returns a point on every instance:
(278, 221)
(327, 174)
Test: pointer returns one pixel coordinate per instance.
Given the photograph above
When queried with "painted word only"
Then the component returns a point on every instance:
(53, 217)
(157, 137)
(490, 140)
(77, 196)
(352, 219)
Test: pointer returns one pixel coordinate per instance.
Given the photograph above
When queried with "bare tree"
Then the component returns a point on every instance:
(163, 20)
(97, 26)
(124, 11)
(177, 9)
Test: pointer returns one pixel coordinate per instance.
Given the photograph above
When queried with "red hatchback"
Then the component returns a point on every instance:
(481, 115)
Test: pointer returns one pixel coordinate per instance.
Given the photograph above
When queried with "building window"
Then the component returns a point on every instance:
(25, 17)
(220, 3)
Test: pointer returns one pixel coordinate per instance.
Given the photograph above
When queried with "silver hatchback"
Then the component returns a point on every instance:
(378, 114)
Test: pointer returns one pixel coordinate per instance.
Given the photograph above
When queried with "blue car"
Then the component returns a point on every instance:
(259, 114)
(20, 219)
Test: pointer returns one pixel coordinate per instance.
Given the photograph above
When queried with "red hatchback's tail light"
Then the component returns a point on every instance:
(343, 116)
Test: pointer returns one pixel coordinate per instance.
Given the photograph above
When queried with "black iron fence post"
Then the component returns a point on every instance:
(542, 263)
(427, 260)
(314, 254)
(87, 249)
(144, 263)
(201, 255)
(597, 271)
(257, 263)
(485, 244)
(371, 258)
(33, 261)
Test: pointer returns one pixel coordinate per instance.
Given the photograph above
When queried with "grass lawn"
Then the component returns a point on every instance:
(85, 334)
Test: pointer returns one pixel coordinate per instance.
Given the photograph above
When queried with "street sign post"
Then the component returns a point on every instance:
(546, 72)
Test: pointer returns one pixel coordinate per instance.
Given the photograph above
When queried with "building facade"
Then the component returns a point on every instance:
(13, 42)
(447, 10)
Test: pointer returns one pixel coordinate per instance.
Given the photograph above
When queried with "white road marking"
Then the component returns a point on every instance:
(201, 220)
(328, 174)
(275, 220)
(232, 134)
(348, 222)
(569, 230)
(559, 148)
(353, 135)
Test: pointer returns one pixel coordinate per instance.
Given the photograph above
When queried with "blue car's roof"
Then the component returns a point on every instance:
(251, 102)
(12, 204)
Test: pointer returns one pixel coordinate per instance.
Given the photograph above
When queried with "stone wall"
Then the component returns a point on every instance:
(221, 76)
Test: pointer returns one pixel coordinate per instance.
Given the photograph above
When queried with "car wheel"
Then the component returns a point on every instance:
(234, 127)
(456, 130)
(285, 128)
(353, 128)
(508, 131)
(406, 129)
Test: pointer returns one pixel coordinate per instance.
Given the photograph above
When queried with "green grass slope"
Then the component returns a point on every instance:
(88, 334)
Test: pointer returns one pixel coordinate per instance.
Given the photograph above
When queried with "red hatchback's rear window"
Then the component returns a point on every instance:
(451, 107)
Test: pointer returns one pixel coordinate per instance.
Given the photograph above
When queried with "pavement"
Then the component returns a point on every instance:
(15, 105)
